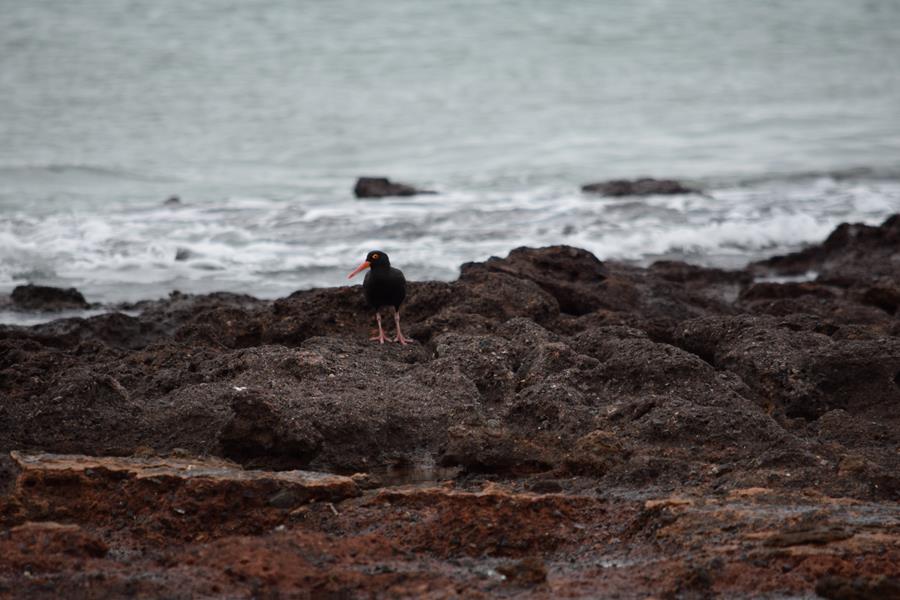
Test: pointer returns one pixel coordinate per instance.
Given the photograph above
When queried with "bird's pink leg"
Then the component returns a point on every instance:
(381, 338)
(400, 338)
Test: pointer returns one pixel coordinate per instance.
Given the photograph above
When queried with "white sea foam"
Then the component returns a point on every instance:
(272, 246)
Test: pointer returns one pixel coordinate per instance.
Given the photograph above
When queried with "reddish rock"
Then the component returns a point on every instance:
(177, 497)
(526, 572)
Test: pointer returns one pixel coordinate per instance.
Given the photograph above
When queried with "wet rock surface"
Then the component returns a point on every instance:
(563, 427)
(212, 496)
(46, 298)
(382, 187)
(637, 187)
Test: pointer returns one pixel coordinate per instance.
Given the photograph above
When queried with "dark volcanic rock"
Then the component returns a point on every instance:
(42, 297)
(882, 587)
(557, 413)
(779, 291)
(637, 187)
(570, 275)
(855, 292)
(885, 296)
(853, 254)
(545, 359)
(257, 430)
(527, 572)
(803, 373)
(381, 187)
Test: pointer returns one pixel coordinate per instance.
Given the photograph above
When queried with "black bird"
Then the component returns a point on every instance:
(384, 286)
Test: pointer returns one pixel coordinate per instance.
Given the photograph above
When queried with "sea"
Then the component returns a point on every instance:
(259, 116)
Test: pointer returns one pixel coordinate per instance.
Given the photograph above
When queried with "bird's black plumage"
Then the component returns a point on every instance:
(383, 286)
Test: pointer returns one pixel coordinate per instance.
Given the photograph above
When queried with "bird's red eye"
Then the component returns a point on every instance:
(375, 256)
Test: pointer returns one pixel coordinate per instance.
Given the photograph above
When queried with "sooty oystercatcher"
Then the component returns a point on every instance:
(384, 286)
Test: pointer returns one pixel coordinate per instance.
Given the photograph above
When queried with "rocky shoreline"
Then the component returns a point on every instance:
(564, 427)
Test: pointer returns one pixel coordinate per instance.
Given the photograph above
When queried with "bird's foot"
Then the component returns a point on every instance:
(381, 338)
(403, 340)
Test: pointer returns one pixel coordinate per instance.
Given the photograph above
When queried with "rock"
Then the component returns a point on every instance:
(114, 329)
(205, 493)
(545, 486)
(680, 272)
(550, 407)
(306, 407)
(778, 291)
(8, 473)
(571, 275)
(526, 572)
(172, 201)
(836, 587)
(366, 481)
(257, 429)
(595, 453)
(656, 299)
(285, 499)
(492, 449)
(695, 582)
(276, 384)
(638, 187)
(381, 187)
(493, 521)
(48, 546)
(853, 255)
(46, 298)
(806, 374)
(485, 360)
(588, 412)
(183, 254)
(808, 535)
(884, 296)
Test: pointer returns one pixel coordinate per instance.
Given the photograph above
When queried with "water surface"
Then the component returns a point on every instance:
(260, 115)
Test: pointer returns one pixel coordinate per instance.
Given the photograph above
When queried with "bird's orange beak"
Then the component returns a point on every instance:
(361, 267)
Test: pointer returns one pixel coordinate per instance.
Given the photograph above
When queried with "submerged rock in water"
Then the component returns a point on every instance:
(638, 187)
(381, 187)
(47, 298)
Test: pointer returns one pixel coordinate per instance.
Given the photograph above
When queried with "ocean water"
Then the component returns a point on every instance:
(260, 115)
